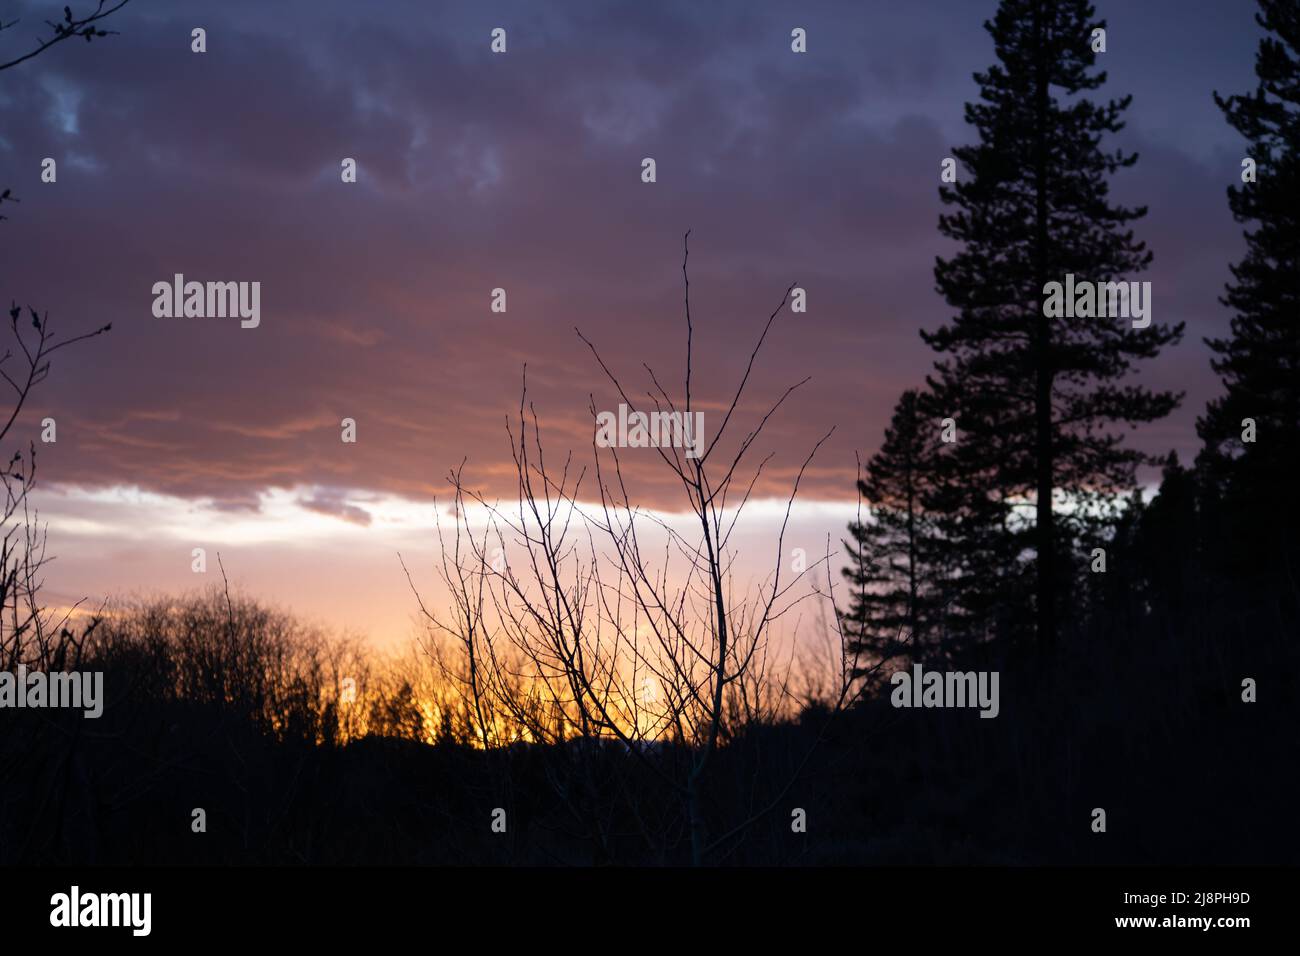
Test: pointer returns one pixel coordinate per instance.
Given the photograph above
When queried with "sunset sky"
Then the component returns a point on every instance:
(519, 171)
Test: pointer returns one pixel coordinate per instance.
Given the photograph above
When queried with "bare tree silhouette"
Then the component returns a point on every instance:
(31, 634)
(70, 26)
(28, 634)
(612, 627)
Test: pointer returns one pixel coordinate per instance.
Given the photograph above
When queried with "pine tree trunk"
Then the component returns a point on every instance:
(1046, 624)
(911, 565)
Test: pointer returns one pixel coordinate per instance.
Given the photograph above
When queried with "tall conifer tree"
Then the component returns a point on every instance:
(1253, 482)
(1037, 400)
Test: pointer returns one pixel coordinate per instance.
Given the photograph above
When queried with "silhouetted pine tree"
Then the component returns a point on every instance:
(978, 559)
(1036, 399)
(890, 549)
(1252, 485)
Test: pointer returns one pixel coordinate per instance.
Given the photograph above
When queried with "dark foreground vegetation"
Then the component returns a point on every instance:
(1142, 717)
